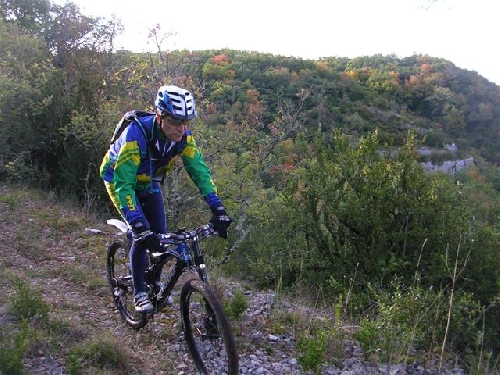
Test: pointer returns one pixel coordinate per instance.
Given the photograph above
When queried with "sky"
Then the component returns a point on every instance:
(464, 32)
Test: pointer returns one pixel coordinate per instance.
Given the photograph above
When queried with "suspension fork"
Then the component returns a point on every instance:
(199, 261)
(201, 268)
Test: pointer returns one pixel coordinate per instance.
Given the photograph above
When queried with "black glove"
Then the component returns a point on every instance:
(142, 234)
(220, 220)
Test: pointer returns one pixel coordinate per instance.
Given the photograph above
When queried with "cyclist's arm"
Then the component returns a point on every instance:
(199, 172)
(130, 151)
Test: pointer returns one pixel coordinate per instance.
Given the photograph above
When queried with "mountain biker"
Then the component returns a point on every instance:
(134, 167)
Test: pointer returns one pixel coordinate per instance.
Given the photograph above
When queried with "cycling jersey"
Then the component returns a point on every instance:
(133, 162)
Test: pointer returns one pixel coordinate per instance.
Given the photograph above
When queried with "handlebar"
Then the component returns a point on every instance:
(173, 238)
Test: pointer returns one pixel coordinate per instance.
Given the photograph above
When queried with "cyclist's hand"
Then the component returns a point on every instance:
(142, 234)
(220, 220)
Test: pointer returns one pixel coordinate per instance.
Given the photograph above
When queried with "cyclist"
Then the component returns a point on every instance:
(134, 167)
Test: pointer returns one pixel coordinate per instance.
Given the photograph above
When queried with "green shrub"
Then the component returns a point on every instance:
(312, 351)
(27, 303)
(11, 200)
(101, 353)
(404, 320)
(236, 306)
(13, 346)
(415, 318)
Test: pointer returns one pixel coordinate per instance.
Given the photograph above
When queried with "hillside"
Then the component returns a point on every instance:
(318, 162)
(53, 274)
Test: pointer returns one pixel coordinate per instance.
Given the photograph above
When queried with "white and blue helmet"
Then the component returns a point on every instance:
(176, 102)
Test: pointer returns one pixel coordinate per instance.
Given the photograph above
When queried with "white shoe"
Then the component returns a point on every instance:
(142, 303)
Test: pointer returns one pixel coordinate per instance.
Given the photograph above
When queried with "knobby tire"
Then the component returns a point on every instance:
(120, 281)
(207, 331)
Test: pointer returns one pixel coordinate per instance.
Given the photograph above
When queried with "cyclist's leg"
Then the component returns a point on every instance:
(138, 262)
(138, 258)
(153, 208)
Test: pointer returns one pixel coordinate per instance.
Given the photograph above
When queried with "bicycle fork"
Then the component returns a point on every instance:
(210, 321)
(199, 262)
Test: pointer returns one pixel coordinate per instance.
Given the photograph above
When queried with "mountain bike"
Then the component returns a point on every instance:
(207, 330)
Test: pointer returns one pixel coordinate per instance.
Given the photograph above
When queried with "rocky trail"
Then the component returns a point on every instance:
(46, 245)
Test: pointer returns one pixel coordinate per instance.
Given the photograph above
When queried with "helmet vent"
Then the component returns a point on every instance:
(176, 102)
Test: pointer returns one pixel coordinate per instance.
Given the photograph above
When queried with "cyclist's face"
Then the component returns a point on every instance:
(173, 128)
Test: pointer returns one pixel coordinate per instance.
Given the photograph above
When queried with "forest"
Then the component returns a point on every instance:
(317, 162)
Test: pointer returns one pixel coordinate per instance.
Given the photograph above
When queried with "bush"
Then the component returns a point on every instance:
(312, 351)
(13, 346)
(236, 306)
(28, 304)
(415, 319)
(101, 353)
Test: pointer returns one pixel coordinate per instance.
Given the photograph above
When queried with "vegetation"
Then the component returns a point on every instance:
(98, 354)
(316, 161)
(13, 348)
(235, 306)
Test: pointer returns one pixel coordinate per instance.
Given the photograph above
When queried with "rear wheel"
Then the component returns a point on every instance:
(207, 330)
(120, 281)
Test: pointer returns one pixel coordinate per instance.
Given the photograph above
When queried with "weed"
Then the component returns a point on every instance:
(236, 306)
(312, 349)
(486, 363)
(27, 303)
(32, 248)
(62, 333)
(282, 323)
(13, 346)
(404, 320)
(68, 224)
(100, 353)
(10, 200)
(75, 274)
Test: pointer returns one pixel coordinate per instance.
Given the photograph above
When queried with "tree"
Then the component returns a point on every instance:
(30, 15)
(26, 76)
(378, 209)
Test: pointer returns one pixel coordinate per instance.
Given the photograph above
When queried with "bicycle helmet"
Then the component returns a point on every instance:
(176, 102)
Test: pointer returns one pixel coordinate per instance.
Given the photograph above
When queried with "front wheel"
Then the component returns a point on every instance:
(207, 330)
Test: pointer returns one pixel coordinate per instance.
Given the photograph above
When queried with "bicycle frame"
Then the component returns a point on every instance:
(189, 256)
